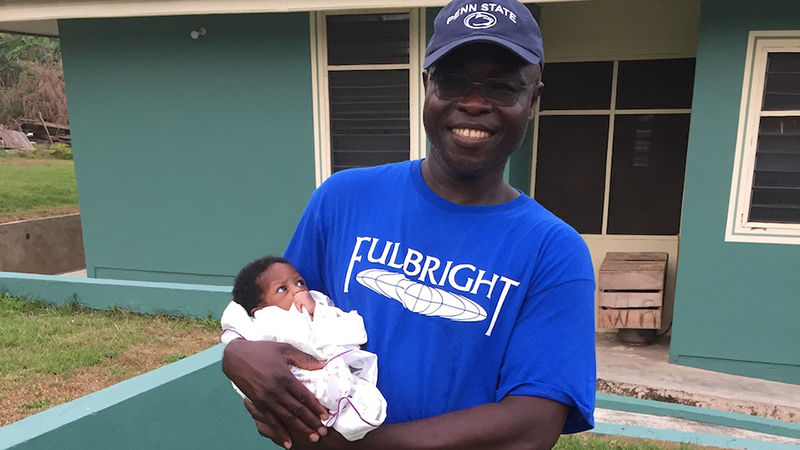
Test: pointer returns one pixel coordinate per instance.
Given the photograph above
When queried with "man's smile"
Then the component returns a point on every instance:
(470, 133)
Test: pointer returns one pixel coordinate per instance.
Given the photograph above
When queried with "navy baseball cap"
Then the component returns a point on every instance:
(506, 23)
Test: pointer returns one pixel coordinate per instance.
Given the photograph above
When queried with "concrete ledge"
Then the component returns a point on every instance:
(712, 416)
(50, 245)
(195, 300)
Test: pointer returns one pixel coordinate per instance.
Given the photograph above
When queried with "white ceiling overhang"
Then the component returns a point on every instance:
(41, 17)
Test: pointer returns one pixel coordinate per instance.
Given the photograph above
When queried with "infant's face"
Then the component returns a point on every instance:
(283, 287)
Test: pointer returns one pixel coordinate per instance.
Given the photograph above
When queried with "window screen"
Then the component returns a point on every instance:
(571, 167)
(655, 84)
(775, 195)
(369, 103)
(648, 146)
(782, 82)
(647, 166)
(776, 179)
(584, 85)
(369, 117)
(367, 39)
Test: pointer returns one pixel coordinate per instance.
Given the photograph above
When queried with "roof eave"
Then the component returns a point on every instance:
(41, 17)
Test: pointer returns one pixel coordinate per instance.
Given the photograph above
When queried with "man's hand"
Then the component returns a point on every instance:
(277, 401)
(333, 441)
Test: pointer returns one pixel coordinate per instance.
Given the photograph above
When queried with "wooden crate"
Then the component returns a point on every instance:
(645, 318)
(632, 290)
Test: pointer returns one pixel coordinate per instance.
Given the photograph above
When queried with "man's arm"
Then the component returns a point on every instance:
(516, 422)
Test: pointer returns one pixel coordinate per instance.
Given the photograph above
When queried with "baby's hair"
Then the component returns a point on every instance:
(246, 291)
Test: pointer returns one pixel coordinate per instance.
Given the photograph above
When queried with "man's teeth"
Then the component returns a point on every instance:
(470, 133)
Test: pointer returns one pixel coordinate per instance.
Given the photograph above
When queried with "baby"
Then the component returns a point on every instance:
(271, 302)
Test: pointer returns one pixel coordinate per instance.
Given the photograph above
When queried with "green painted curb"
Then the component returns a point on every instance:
(687, 437)
(706, 415)
(196, 300)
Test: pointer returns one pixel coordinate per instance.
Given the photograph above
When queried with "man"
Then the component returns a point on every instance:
(478, 302)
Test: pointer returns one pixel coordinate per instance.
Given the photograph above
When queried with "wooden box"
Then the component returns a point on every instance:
(632, 290)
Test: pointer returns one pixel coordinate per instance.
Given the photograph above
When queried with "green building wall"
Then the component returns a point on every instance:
(192, 156)
(737, 306)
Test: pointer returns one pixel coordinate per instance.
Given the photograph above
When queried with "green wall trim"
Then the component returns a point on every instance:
(784, 373)
(145, 297)
(162, 276)
(687, 437)
(705, 415)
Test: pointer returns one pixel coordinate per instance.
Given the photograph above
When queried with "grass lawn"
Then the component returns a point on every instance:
(36, 187)
(590, 441)
(51, 355)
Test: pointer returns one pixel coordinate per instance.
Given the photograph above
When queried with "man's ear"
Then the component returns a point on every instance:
(425, 77)
(537, 92)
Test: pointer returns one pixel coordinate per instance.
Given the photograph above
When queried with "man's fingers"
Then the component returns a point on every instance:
(294, 405)
(290, 415)
(268, 426)
(310, 410)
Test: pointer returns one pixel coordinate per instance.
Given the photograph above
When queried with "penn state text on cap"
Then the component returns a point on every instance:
(507, 23)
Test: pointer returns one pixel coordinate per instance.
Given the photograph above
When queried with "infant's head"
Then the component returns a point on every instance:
(271, 281)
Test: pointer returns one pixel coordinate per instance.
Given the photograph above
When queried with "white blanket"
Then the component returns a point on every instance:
(347, 383)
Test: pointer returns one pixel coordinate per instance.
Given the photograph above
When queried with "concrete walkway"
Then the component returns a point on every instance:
(687, 427)
(645, 372)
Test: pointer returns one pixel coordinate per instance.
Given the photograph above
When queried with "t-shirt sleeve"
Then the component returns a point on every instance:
(551, 352)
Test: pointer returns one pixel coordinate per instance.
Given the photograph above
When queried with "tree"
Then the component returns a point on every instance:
(31, 79)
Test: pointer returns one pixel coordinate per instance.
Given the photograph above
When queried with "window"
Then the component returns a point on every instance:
(611, 141)
(366, 89)
(765, 190)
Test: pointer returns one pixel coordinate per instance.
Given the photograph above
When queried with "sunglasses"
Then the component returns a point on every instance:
(455, 87)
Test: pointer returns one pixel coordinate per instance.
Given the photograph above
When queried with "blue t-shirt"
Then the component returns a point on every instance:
(463, 304)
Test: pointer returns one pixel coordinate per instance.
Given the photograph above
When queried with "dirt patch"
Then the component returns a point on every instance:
(785, 413)
(40, 214)
(22, 396)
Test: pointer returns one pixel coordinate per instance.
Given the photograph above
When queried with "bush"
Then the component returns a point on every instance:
(55, 151)
(60, 151)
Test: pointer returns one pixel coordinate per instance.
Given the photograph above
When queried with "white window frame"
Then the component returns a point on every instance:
(739, 228)
(611, 113)
(320, 70)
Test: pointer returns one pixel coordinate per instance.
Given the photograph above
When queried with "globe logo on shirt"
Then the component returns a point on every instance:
(421, 298)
